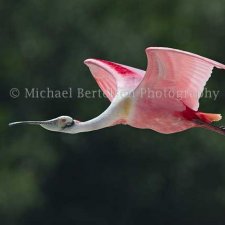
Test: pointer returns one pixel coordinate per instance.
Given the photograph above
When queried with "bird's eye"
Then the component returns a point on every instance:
(69, 124)
(63, 120)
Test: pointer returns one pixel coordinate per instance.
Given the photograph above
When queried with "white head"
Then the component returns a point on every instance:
(63, 124)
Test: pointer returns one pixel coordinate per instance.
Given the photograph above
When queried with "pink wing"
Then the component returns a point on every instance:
(113, 77)
(182, 72)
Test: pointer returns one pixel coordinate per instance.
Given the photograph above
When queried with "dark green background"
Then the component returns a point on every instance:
(119, 175)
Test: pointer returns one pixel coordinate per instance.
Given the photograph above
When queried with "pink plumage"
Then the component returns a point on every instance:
(113, 77)
(177, 77)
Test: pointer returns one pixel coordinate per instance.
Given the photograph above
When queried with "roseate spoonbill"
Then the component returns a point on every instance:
(164, 98)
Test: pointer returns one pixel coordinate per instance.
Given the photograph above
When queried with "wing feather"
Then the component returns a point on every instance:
(182, 72)
(113, 77)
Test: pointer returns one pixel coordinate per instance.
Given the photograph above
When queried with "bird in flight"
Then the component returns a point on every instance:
(164, 98)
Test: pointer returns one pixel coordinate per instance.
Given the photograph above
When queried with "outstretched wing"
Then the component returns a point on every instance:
(113, 77)
(182, 72)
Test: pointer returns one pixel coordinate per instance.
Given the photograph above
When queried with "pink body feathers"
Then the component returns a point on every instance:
(165, 98)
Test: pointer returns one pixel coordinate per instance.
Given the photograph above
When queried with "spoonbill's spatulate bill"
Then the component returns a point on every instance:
(164, 98)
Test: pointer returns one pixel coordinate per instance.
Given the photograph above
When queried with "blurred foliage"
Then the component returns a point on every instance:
(119, 175)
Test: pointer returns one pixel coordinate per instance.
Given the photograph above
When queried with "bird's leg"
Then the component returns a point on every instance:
(209, 126)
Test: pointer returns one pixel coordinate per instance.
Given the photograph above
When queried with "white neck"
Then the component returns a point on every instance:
(108, 118)
(96, 123)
